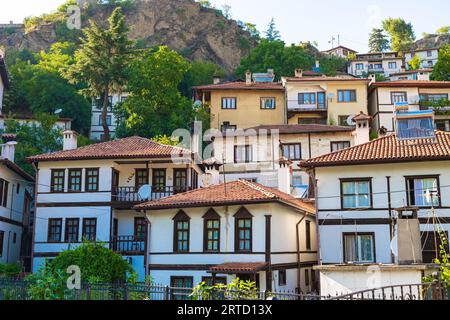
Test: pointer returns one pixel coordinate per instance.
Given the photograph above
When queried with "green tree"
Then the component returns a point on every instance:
(275, 55)
(330, 65)
(155, 105)
(378, 42)
(441, 70)
(415, 62)
(401, 33)
(101, 61)
(272, 33)
(443, 30)
(200, 73)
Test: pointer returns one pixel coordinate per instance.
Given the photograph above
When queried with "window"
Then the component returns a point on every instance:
(179, 180)
(72, 227)
(423, 191)
(140, 228)
(159, 179)
(356, 194)
(54, 230)
(397, 97)
(430, 63)
(292, 151)
(306, 277)
(346, 95)
(392, 65)
(227, 127)
(442, 125)
(181, 232)
(218, 280)
(342, 121)
(306, 98)
(312, 121)
(243, 231)
(281, 278)
(75, 180)
(339, 145)
(429, 53)
(180, 282)
(359, 66)
(429, 241)
(141, 177)
(433, 97)
(2, 236)
(268, 103)
(228, 103)
(243, 154)
(57, 180)
(359, 247)
(108, 120)
(90, 229)
(308, 235)
(18, 188)
(4, 192)
(92, 176)
(211, 231)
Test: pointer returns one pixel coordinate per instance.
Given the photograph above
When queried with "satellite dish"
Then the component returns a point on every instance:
(58, 111)
(350, 121)
(206, 179)
(144, 192)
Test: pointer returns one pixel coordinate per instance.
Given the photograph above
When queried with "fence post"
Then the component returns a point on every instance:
(166, 293)
(88, 292)
(125, 292)
(264, 295)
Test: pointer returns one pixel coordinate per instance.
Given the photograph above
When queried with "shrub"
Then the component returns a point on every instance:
(9, 270)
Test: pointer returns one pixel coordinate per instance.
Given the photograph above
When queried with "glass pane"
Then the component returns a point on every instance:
(349, 201)
(366, 248)
(348, 188)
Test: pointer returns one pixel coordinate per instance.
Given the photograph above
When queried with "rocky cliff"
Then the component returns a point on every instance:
(196, 32)
(431, 41)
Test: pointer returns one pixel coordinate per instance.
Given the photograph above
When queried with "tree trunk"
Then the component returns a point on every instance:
(106, 135)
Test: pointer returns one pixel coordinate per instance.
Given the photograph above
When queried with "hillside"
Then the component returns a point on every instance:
(431, 41)
(196, 32)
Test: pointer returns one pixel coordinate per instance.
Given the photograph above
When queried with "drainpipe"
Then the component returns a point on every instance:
(309, 144)
(391, 226)
(297, 232)
(147, 242)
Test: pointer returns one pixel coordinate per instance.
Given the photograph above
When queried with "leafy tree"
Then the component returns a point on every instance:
(155, 105)
(251, 28)
(101, 61)
(415, 62)
(200, 73)
(272, 33)
(330, 65)
(401, 33)
(378, 41)
(164, 139)
(441, 70)
(275, 55)
(443, 30)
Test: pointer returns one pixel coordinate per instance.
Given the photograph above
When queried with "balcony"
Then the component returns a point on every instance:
(294, 106)
(375, 70)
(126, 197)
(128, 245)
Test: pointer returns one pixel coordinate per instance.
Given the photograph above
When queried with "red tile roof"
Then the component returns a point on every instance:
(14, 167)
(236, 267)
(385, 150)
(238, 192)
(126, 148)
(293, 128)
(240, 85)
(333, 79)
(411, 72)
(410, 84)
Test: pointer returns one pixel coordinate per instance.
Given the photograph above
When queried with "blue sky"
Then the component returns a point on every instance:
(301, 20)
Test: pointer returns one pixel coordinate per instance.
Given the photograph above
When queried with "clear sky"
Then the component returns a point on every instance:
(301, 20)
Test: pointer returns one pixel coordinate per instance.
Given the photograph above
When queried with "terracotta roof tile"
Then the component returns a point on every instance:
(387, 149)
(237, 192)
(410, 84)
(293, 128)
(126, 148)
(240, 85)
(336, 78)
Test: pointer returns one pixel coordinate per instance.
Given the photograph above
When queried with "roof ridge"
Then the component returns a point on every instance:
(260, 188)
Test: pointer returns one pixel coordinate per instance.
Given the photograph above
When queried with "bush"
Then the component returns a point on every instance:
(9, 270)
(47, 284)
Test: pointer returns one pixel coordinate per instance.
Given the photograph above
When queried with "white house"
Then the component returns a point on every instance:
(340, 51)
(384, 63)
(419, 74)
(378, 206)
(97, 130)
(428, 57)
(16, 193)
(235, 229)
(60, 124)
(88, 193)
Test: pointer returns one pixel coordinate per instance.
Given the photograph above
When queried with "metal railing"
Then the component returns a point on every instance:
(130, 194)
(294, 105)
(128, 245)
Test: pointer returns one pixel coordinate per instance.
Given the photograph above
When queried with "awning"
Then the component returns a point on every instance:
(238, 267)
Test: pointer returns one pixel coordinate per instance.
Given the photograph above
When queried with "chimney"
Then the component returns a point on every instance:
(317, 64)
(423, 76)
(362, 129)
(196, 131)
(212, 172)
(403, 68)
(216, 80)
(409, 245)
(373, 78)
(9, 147)
(298, 73)
(69, 140)
(248, 77)
(284, 175)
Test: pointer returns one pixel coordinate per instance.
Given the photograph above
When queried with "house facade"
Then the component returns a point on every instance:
(420, 74)
(240, 105)
(384, 63)
(379, 205)
(237, 229)
(340, 51)
(88, 193)
(324, 100)
(419, 95)
(16, 197)
(428, 57)
(60, 124)
(97, 131)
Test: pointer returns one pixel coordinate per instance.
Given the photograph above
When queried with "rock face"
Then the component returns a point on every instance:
(431, 41)
(196, 32)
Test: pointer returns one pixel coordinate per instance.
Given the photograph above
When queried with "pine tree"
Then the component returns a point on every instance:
(378, 41)
(272, 33)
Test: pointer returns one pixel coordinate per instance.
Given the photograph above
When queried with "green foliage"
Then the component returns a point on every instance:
(47, 284)
(244, 43)
(442, 261)
(440, 107)
(330, 65)
(251, 28)
(378, 41)
(443, 30)
(352, 56)
(97, 263)
(415, 62)
(272, 33)
(220, 24)
(373, 135)
(200, 73)
(155, 105)
(166, 140)
(9, 270)
(441, 70)
(205, 3)
(275, 55)
(401, 33)
(235, 290)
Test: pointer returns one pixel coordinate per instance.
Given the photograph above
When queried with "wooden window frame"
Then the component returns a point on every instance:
(372, 234)
(66, 233)
(174, 278)
(339, 142)
(345, 90)
(250, 153)
(60, 220)
(107, 117)
(181, 216)
(282, 275)
(210, 215)
(261, 105)
(52, 181)
(87, 176)
(242, 214)
(432, 176)
(292, 144)
(69, 181)
(356, 180)
(182, 188)
(136, 227)
(222, 103)
(308, 234)
(136, 176)
(405, 93)
(302, 94)
(83, 234)
(154, 179)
